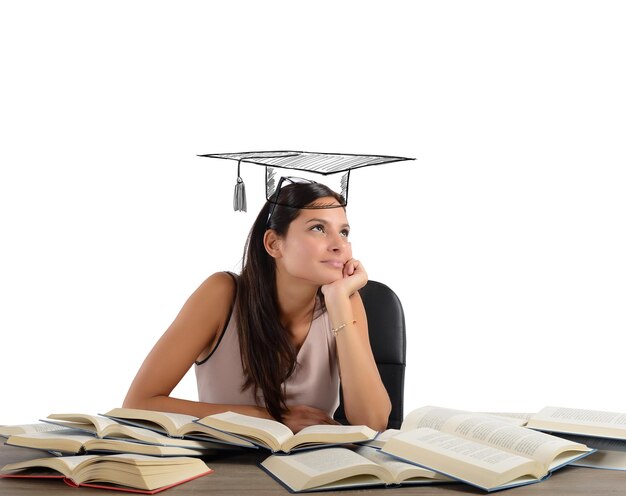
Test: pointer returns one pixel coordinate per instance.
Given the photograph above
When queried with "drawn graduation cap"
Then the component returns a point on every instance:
(311, 163)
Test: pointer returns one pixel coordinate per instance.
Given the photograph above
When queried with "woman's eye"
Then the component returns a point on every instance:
(320, 228)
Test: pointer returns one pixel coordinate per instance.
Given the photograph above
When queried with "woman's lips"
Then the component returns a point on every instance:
(336, 264)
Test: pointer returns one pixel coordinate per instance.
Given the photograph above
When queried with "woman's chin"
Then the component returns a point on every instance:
(329, 279)
(321, 277)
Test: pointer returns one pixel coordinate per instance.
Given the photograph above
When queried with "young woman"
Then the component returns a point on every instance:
(276, 341)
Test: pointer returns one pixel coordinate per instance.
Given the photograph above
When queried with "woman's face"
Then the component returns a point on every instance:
(316, 245)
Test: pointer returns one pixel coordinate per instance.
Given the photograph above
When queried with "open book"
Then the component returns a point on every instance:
(576, 421)
(175, 425)
(604, 431)
(435, 417)
(133, 473)
(277, 437)
(479, 449)
(342, 468)
(104, 427)
(410, 422)
(70, 441)
(9, 430)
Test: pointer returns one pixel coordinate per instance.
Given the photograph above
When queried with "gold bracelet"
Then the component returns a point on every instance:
(338, 328)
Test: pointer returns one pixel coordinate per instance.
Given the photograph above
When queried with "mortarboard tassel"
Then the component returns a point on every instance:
(239, 198)
(345, 179)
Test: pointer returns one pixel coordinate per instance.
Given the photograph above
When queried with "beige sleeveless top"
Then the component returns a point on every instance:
(315, 381)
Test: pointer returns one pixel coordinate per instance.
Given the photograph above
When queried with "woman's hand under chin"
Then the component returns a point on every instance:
(353, 278)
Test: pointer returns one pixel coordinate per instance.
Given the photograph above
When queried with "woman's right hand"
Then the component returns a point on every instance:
(300, 416)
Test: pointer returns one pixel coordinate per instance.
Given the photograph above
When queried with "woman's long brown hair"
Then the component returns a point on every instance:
(267, 354)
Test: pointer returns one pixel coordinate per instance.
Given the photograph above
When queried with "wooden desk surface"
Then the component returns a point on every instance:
(237, 474)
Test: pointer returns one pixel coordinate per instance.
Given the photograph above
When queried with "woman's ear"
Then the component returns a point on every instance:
(272, 243)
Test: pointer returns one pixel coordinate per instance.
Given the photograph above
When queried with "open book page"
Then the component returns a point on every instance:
(68, 441)
(327, 434)
(104, 427)
(518, 418)
(139, 434)
(8, 430)
(74, 441)
(176, 425)
(204, 433)
(135, 471)
(500, 434)
(100, 426)
(579, 421)
(325, 468)
(121, 446)
(63, 464)
(270, 433)
(611, 453)
(172, 423)
(400, 471)
(435, 417)
(472, 462)
(518, 440)
(432, 417)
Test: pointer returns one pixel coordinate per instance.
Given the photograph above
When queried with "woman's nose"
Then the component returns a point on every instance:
(336, 242)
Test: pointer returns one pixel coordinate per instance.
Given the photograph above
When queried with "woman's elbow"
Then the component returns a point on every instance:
(375, 418)
(136, 399)
(131, 401)
(379, 422)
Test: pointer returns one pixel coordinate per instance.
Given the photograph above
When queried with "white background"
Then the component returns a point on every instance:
(505, 240)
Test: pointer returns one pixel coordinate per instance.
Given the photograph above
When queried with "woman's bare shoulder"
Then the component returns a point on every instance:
(209, 305)
(221, 280)
(217, 290)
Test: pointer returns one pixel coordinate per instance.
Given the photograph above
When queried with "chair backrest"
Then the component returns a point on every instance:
(387, 333)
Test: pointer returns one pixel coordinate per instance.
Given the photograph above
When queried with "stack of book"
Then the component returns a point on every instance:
(123, 472)
(97, 451)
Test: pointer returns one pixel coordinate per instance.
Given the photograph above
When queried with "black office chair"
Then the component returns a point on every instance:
(387, 333)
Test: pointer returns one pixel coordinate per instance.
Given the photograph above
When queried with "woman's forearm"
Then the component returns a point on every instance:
(198, 409)
(364, 396)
